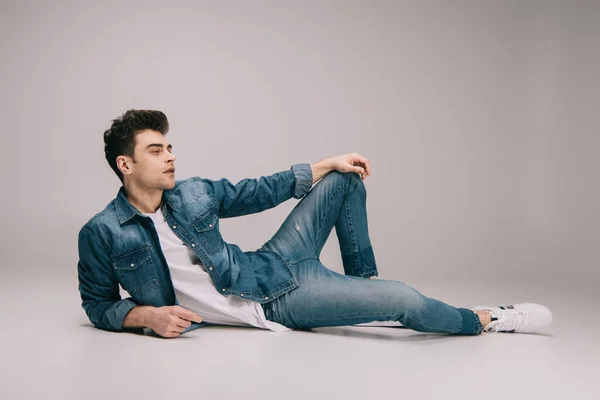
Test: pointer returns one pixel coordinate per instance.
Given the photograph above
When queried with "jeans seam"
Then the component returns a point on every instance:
(386, 316)
(352, 239)
(303, 259)
(325, 214)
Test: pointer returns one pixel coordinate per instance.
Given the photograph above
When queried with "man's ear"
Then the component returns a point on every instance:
(123, 164)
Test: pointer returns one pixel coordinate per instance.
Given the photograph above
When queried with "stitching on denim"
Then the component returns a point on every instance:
(286, 310)
(386, 316)
(303, 259)
(96, 239)
(324, 215)
(127, 253)
(354, 246)
(414, 325)
(283, 288)
(478, 324)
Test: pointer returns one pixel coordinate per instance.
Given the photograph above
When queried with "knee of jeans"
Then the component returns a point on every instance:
(336, 177)
(355, 182)
(412, 298)
(353, 179)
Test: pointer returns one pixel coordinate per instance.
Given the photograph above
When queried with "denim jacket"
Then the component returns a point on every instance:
(119, 245)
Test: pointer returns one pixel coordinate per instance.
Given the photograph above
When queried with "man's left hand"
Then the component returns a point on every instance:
(352, 162)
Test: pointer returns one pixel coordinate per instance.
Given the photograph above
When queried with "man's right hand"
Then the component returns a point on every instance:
(171, 321)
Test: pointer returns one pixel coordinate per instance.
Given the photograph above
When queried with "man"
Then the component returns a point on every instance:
(160, 240)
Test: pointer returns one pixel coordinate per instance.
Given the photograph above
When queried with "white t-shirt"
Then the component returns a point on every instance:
(195, 290)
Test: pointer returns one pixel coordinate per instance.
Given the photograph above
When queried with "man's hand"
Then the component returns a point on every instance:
(171, 321)
(352, 162)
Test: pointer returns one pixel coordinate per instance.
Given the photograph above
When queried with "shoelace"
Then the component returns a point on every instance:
(508, 320)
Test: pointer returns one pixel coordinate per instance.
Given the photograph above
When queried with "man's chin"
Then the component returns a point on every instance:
(169, 184)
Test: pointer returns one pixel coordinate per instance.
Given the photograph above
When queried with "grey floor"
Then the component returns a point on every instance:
(50, 350)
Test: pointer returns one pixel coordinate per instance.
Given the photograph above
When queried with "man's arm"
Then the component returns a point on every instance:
(99, 287)
(320, 169)
(255, 195)
(138, 317)
(102, 302)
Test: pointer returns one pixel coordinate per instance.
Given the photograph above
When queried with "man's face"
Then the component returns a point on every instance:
(153, 157)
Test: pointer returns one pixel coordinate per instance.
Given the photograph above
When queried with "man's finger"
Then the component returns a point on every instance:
(365, 163)
(184, 323)
(180, 326)
(187, 314)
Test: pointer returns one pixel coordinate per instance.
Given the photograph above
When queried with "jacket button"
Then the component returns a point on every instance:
(222, 290)
(174, 226)
(193, 245)
(242, 294)
(266, 297)
(210, 268)
(132, 264)
(210, 225)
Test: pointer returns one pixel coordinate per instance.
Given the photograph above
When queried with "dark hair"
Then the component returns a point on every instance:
(120, 138)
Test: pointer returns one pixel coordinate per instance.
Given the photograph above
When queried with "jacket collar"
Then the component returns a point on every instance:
(126, 211)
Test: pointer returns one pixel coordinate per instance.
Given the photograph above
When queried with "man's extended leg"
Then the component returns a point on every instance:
(327, 298)
(338, 199)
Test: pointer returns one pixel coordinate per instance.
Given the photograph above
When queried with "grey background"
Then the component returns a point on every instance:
(479, 118)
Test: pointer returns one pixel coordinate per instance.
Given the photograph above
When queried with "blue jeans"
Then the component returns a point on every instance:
(327, 298)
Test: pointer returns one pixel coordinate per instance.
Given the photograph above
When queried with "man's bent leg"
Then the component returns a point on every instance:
(326, 298)
(338, 199)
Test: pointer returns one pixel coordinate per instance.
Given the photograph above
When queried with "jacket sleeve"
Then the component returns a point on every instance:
(99, 287)
(255, 195)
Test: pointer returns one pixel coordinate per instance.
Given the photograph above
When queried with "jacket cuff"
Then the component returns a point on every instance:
(117, 313)
(304, 178)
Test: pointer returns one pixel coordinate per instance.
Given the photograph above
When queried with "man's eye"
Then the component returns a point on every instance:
(156, 151)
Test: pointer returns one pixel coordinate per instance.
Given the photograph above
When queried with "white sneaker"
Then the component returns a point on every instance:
(523, 317)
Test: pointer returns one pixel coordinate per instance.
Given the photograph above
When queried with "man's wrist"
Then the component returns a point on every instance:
(138, 317)
(320, 169)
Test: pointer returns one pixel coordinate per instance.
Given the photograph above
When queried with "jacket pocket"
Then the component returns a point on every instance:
(207, 227)
(135, 271)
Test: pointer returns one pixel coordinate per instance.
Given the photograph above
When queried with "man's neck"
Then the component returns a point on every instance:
(145, 200)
